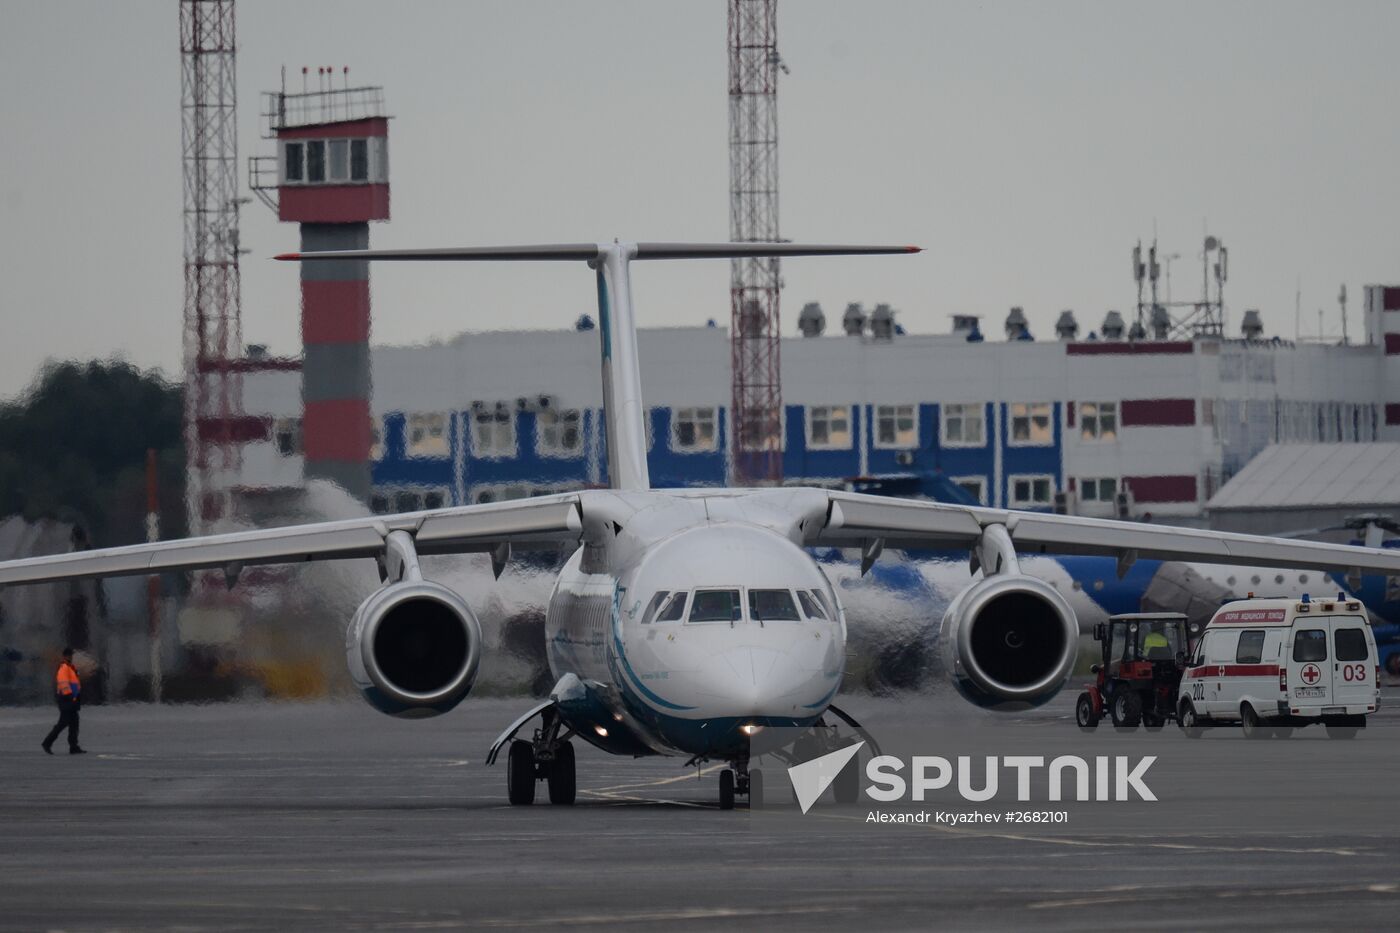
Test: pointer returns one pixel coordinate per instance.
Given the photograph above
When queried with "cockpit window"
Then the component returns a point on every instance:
(772, 606)
(654, 605)
(673, 610)
(810, 605)
(716, 606)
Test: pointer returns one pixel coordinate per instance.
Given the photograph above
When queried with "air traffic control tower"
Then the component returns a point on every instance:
(330, 175)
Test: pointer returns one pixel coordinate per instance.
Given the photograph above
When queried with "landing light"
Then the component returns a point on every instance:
(601, 731)
(750, 729)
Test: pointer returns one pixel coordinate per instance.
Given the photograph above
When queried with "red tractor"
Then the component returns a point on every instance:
(1144, 654)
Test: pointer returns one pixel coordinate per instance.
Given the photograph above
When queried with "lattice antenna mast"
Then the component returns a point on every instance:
(757, 401)
(212, 320)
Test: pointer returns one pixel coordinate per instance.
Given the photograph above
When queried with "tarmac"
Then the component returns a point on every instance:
(330, 816)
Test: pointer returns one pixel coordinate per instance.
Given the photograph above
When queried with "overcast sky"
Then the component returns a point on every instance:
(1027, 146)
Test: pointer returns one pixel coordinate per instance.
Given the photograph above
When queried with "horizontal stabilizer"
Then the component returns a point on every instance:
(589, 252)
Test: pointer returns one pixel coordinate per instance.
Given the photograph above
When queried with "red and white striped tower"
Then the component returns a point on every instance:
(332, 178)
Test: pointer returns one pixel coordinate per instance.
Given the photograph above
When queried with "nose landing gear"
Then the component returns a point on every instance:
(740, 781)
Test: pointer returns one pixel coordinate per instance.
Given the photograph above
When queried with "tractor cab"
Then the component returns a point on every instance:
(1143, 655)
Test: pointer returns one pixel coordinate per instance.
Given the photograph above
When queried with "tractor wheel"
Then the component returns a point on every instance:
(1153, 722)
(1126, 709)
(1254, 727)
(1186, 719)
(1084, 713)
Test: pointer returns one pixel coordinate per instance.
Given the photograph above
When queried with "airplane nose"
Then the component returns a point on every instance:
(756, 681)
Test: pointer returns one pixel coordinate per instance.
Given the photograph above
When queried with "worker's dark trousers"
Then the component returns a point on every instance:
(67, 719)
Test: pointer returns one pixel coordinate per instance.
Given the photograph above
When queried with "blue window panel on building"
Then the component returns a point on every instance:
(818, 465)
(1027, 460)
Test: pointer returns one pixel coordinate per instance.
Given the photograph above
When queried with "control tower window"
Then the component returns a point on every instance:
(316, 161)
(294, 156)
(338, 151)
(359, 160)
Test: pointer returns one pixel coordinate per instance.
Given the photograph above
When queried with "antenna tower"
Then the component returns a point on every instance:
(757, 400)
(212, 322)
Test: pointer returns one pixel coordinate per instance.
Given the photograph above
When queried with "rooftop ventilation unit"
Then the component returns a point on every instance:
(882, 322)
(853, 321)
(1016, 325)
(1252, 326)
(1112, 328)
(1066, 328)
(811, 322)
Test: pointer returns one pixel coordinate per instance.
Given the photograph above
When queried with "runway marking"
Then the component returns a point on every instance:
(1141, 893)
(656, 916)
(611, 793)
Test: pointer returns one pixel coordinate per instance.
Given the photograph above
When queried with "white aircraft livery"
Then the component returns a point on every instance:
(687, 619)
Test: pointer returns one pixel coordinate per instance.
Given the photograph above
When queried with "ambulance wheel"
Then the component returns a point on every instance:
(726, 789)
(1186, 719)
(563, 783)
(520, 773)
(1254, 727)
(755, 789)
(1392, 663)
(1126, 709)
(1084, 713)
(1282, 732)
(1342, 732)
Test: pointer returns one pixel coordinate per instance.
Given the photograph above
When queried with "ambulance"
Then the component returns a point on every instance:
(1273, 664)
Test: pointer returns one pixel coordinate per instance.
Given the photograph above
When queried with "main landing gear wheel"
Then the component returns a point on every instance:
(726, 789)
(1084, 713)
(1126, 709)
(520, 773)
(563, 785)
(755, 789)
(1186, 718)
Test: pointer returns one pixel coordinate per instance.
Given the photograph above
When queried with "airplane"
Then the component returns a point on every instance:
(685, 621)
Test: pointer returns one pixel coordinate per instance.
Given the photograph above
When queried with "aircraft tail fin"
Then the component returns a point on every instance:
(624, 413)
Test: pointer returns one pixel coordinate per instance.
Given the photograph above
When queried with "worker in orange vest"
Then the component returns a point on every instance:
(68, 692)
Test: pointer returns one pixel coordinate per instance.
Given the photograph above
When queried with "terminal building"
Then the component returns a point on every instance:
(1101, 426)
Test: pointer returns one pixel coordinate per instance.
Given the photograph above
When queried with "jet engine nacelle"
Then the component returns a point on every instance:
(1009, 642)
(413, 649)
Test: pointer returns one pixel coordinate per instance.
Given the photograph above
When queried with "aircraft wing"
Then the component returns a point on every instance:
(546, 520)
(855, 520)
